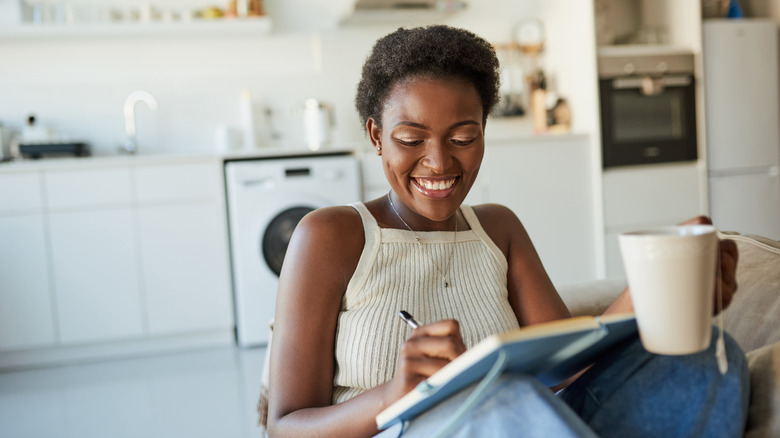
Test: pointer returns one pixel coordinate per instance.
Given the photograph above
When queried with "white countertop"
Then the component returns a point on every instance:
(62, 163)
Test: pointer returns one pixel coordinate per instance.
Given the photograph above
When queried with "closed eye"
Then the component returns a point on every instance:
(408, 142)
(461, 142)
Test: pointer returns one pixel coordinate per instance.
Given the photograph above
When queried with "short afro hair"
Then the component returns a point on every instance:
(431, 51)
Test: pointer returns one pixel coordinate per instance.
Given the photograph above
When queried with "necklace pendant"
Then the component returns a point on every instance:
(446, 283)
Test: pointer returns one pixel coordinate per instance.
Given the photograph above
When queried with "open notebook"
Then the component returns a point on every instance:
(552, 352)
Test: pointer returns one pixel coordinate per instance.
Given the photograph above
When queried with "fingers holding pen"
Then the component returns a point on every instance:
(428, 349)
(440, 340)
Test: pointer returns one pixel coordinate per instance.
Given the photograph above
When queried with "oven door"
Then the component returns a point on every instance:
(648, 120)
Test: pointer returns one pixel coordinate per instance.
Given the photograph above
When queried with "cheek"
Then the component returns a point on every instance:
(473, 159)
(396, 162)
(397, 169)
(390, 166)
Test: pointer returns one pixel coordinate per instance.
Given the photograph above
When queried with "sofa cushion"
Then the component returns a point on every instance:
(763, 420)
(752, 318)
(590, 297)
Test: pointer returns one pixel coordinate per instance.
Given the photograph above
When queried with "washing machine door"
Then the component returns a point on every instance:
(278, 227)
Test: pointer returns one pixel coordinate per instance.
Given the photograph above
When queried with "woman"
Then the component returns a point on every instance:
(341, 355)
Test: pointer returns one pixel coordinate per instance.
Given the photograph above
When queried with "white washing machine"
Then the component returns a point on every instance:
(266, 200)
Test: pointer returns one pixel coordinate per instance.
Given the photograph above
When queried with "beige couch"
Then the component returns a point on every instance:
(753, 319)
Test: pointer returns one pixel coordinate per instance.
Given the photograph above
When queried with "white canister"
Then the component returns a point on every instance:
(317, 123)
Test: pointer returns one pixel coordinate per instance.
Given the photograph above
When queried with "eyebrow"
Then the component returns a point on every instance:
(421, 126)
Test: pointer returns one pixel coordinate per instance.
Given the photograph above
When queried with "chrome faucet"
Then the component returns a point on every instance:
(130, 145)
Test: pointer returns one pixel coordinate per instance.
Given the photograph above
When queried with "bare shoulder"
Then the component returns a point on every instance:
(500, 223)
(494, 214)
(324, 222)
(331, 238)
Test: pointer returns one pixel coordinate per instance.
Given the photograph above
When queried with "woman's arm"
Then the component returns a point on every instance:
(531, 293)
(320, 261)
(321, 256)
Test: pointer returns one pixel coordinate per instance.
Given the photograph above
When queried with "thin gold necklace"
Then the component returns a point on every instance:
(420, 244)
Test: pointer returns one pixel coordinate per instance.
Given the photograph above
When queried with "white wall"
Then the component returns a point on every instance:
(77, 85)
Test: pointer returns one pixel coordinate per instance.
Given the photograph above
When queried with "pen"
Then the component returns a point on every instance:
(409, 319)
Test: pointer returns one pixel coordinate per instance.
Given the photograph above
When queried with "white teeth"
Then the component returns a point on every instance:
(436, 185)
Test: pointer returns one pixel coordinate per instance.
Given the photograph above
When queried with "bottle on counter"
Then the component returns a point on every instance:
(247, 115)
(255, 8)
(231, 10)
(539, 102)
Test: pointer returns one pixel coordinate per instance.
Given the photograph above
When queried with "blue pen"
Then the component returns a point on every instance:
(409, 319)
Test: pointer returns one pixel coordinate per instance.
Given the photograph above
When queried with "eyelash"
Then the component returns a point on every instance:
(417, 142)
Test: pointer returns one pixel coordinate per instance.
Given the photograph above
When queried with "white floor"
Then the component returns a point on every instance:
(207, 393)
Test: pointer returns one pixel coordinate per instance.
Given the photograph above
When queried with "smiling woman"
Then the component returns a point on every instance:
(340, 354)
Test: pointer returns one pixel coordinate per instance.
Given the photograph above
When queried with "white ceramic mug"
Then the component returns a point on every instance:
(671, 274)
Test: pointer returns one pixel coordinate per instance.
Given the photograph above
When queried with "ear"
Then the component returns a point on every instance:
(374, 134)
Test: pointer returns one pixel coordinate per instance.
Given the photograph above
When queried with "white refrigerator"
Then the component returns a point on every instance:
(742, 106)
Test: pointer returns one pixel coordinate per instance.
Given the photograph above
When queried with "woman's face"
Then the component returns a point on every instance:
(432, 143)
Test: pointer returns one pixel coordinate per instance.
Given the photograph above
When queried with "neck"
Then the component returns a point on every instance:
(418, 222)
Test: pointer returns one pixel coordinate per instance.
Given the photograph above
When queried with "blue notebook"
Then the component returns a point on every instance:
(552, 352)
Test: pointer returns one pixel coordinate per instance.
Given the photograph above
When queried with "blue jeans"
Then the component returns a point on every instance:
(628, 393)
(631, 392)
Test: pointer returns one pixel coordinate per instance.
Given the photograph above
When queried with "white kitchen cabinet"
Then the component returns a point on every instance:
(183, 244)
(549, 186)
(115, 256)
(139, 251)
(26, 318)
(88, 188)
(185, 268)
(93, 253)
(20, 192)
(652, 194)
(95, 275)
(178, 182)
(638, 197)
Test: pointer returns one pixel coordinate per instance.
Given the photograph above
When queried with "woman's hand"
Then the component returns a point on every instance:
(728, 257)
(726, 281)
(427, 350)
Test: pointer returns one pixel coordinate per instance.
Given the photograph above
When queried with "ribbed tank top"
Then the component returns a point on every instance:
(394, 273)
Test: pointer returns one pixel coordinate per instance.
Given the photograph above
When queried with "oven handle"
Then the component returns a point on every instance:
(668, 81)
(651, 86)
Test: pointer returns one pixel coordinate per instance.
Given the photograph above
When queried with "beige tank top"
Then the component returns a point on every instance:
(394, 273)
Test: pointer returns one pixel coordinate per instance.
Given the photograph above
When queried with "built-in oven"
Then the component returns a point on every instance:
(648, 106)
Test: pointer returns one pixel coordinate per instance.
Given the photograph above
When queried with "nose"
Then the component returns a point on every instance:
(437, 156)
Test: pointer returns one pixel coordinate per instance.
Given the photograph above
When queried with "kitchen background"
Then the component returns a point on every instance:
(125, 257)
(75, 81)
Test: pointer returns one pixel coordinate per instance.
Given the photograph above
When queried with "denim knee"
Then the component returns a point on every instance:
(638, 393)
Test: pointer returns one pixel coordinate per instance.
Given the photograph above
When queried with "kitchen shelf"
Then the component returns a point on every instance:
(199, 27)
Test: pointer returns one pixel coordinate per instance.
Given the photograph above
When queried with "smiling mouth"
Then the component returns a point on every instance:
(435, 184)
